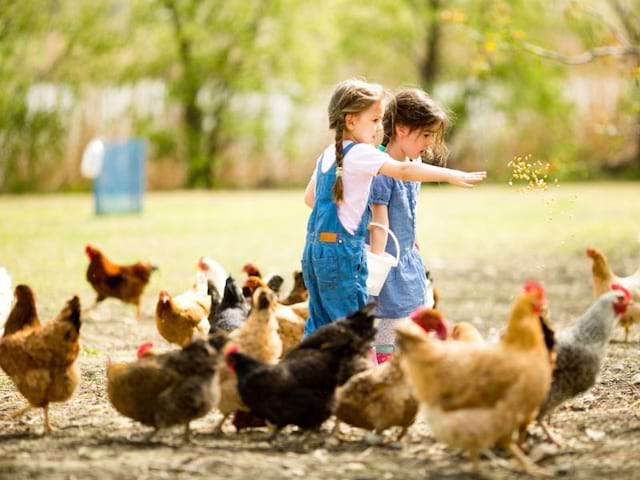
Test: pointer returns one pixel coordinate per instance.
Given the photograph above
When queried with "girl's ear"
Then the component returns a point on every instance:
(402, 131)
(349, 121)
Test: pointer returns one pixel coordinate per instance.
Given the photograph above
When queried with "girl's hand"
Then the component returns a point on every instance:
(466, 179)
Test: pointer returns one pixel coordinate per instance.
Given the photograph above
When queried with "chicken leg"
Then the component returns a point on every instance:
(47, 425)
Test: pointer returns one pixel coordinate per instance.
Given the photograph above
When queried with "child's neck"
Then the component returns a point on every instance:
(395, 152)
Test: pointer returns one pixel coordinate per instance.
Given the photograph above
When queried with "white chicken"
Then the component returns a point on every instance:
(214, 272)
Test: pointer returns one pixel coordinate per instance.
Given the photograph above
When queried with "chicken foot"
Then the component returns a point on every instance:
(217, 430)
(528, 465)
(20, 412)
(550, 434)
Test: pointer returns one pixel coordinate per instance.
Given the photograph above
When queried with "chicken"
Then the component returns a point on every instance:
(215, 273)
(273, 281)
(232, 311)
(125, 282)
(24, 313)
(6, 296)
(179, 319)
(479, 395)
(41, 360)
(299, 390)
(466, 332)
(380, 398)
(580, 350)
(258, 337)
(291, 318)
(299, 292)
(603, 277)
(164, 390)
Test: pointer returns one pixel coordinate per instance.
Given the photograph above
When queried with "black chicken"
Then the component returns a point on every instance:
(299, 390)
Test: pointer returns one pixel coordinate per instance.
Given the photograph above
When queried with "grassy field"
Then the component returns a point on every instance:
(42, 237)
(481, 246)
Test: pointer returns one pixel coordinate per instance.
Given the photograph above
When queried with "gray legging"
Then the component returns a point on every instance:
(385, 340)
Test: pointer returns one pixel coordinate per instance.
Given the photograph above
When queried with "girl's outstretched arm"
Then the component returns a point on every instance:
(310, 193)
(422, 172)
(379, 236)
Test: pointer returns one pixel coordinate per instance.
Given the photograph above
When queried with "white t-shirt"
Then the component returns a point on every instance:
(361, 164)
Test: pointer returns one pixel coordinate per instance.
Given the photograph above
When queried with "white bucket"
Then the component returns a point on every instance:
(379, 265)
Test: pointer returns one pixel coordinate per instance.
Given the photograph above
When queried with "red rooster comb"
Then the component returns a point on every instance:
(620, 306)
(627, 293)
(592, 252)
(202, 264)
(251, 270)
(536, 288)
(144, 349)
(233, 348)
(90, 250)
(430, 320)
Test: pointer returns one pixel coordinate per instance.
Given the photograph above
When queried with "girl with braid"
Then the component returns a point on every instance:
(413, 126)
(334, 261)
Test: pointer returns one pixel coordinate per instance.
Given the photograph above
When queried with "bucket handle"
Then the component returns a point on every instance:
(393, 237)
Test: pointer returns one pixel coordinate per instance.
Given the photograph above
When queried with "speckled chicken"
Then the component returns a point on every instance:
(173, 388)
(232, 311)
(580, 350)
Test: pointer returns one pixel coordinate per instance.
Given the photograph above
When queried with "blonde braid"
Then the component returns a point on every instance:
(338, 187)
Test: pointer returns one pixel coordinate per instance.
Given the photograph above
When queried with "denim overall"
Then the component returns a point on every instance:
(334, 261)
(406, 286)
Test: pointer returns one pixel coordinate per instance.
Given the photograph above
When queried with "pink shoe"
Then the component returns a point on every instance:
(383, 357)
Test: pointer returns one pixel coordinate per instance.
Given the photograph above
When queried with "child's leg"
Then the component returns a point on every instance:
(385, 340)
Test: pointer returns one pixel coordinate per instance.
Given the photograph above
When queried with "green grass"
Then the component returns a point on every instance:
(42, 238)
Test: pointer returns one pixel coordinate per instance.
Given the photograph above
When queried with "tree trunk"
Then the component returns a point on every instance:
(430, 65)
(197, 162)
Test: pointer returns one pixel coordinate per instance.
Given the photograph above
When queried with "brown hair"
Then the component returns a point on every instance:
(350, 96)
(415, 109)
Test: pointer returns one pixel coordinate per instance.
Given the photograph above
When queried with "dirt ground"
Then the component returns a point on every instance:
(601, 429)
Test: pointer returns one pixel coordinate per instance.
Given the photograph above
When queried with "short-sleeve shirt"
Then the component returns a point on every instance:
(359, 167)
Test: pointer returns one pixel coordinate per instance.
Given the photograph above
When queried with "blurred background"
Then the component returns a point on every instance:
(234, 93)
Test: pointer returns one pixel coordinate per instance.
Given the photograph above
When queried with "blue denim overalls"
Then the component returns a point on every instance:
(406, 285)
(333, 262)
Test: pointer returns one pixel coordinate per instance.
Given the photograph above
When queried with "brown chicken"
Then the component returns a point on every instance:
(291, 318)
(179, 319)
(258, 337)
(24, 313)
(41, 360)
(124, 282)
(603, 278)
(299, 292)
(173, 388)
(479, 395)
(380, 398)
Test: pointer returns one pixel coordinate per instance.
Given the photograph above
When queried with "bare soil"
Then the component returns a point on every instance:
(601, 429)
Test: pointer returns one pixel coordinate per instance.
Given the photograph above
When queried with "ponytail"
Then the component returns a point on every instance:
(338, 187)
